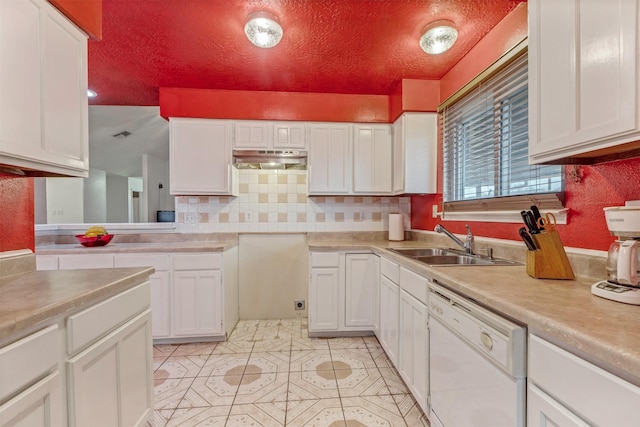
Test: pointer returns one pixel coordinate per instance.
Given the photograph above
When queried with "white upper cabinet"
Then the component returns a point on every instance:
(350, 159)
(415, 145)
(253, 134)
(329, 158)
(269, 135)
(289, 135)
(372, 159)
(200, 156)
(43, 90)
(583, 80)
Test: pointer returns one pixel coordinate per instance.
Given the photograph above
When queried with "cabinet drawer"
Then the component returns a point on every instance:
(414, 284)
(87, 326)
(27, 360)
(591, 392)
(390, 269)
(203, 261)
(325, 259)
(79, 262)
(158, 261)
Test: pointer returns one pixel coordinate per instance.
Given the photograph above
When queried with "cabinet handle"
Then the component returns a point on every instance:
(487, 341)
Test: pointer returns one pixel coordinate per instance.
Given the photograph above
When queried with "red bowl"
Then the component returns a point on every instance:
(99, 240)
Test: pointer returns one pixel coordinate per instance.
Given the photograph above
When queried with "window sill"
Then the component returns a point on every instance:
(499, 216)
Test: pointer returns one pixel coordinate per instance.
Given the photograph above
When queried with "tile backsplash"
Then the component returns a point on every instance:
(278, 201)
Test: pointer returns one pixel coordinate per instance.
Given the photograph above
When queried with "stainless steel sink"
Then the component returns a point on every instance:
(438, 256)
(453, 259)
(421, 252)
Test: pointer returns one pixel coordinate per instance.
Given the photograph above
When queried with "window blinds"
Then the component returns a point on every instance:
(486, 142)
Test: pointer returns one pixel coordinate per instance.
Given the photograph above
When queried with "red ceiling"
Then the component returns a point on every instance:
(331, 46)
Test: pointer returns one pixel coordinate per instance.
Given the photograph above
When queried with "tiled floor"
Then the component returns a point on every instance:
(269, 373)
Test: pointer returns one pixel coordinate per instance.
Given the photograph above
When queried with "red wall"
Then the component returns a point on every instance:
(239, 104)
(607, 184)
(16, 213)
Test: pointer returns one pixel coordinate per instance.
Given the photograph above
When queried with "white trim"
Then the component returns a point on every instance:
(116, 228)
(499, 216)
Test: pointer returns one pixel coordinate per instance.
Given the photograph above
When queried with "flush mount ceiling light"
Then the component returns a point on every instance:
(438, 37)
(263, 29)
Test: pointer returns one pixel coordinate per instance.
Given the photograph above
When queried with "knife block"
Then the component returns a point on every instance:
(550, 260)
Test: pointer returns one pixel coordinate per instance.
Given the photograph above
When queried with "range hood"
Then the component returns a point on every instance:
(270, 159)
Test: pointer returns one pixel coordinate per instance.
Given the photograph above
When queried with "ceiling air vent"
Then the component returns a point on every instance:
(122, 135)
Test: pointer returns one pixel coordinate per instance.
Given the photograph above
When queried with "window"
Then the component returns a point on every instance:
(485, 140)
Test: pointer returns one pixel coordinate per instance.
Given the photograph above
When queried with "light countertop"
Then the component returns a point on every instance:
(116, 247)
(565, 312)
(32, 299)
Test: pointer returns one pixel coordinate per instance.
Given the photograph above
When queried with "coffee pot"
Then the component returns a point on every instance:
(623, 262)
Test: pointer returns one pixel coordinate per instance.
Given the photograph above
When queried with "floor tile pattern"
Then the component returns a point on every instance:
(270, 373)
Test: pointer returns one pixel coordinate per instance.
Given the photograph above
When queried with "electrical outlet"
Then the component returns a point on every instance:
(361, 213)
(248, 216)
(434, 211)
(298, 304)
(190, 218)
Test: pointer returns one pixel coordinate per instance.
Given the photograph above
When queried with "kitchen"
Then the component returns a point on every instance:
(587, 188)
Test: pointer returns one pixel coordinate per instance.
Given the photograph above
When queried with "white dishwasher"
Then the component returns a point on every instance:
(477, 364)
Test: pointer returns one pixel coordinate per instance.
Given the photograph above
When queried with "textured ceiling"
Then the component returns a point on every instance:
(332, 46)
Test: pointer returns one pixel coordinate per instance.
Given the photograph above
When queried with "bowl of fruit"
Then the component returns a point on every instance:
(94, 236)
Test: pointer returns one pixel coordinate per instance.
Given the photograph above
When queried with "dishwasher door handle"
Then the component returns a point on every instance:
(486, 340)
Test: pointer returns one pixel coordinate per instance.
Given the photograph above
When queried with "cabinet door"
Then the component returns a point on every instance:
(413, 347)
(20, 84)
(160, 304)
(544, 411)
(583, 77)
(65, 106)
(288, 135)
(323, 299)
(252, 134)
(200, 156)
(372, 159)
(43, 81)
(160, 287)
(197, 303)
(359, 289)
(38, 406)
(389, 306)
(329, 159)
(110, 383)
(415, 144)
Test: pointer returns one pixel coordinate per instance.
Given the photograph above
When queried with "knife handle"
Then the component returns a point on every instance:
(530, 222)
(536, 216)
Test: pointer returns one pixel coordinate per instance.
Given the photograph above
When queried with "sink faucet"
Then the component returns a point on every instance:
(468, 244)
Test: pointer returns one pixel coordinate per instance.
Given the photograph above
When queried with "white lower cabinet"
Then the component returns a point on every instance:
(565, 391)
(187, 289)
(544, 411)
(341, 292)
(160, 287)
(197, 303)
(33, 376)
(389, 310)
(414, 347)
(110, 382)
(92, 367)
(360, 277)
(38, 406)
(323, 298)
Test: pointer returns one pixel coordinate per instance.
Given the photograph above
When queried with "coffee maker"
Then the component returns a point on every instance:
(623, 258)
